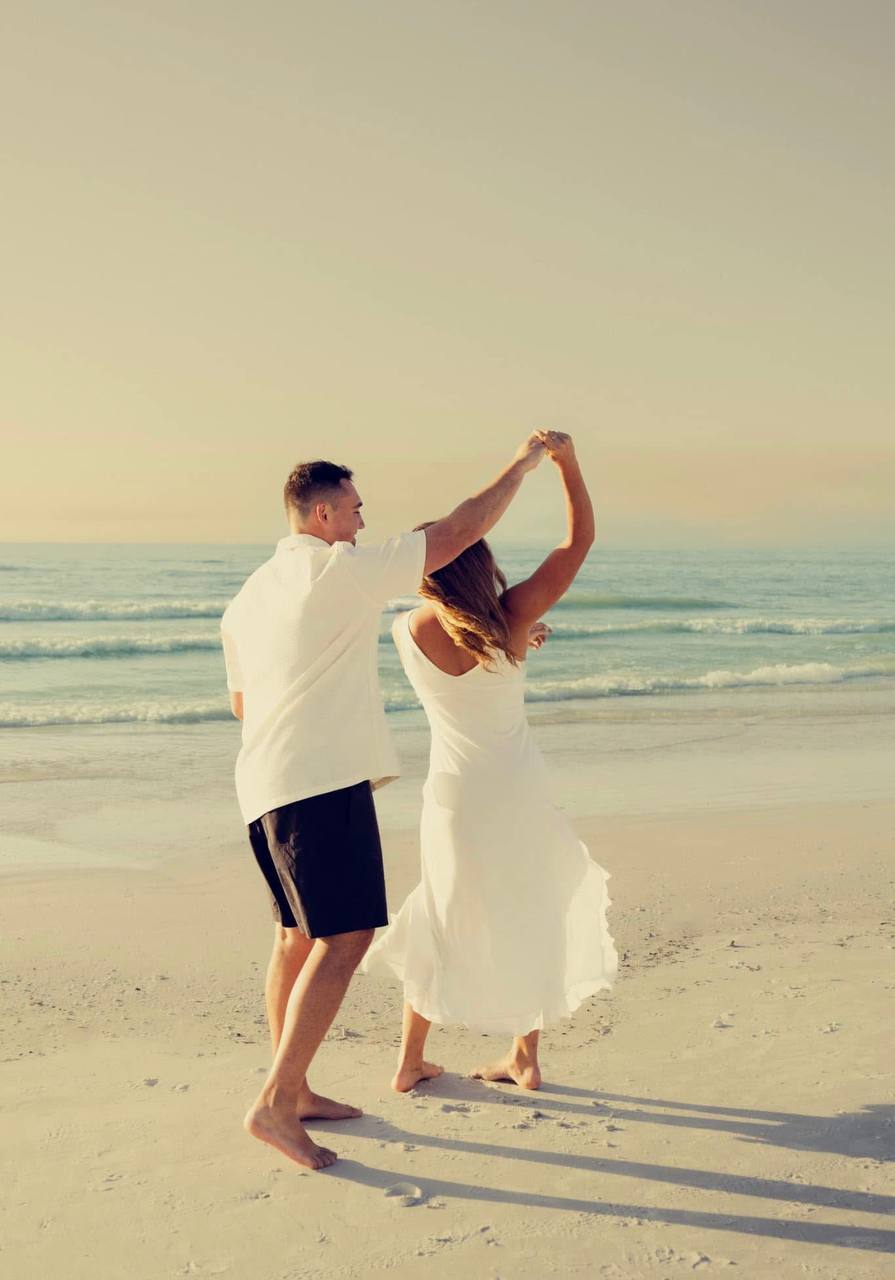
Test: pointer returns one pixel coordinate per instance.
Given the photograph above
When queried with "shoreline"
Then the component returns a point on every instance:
(163, 795)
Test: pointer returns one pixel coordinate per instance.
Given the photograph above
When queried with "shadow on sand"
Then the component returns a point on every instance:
(868, 1133)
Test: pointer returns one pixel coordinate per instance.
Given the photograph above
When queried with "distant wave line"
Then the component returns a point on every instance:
(124, 646)
(730, 626)
(108, 611)
(114, 610)
(593, 600)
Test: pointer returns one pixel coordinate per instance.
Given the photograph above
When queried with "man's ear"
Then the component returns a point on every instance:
(321, 512)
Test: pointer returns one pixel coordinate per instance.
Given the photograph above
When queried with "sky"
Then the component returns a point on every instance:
(402, 235)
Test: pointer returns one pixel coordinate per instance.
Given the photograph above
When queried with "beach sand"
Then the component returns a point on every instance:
(729, 1105)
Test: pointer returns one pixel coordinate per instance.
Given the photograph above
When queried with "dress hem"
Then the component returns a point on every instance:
(522, 1026)
(383, 961)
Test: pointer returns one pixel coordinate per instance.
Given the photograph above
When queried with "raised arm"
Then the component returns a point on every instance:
(530, 599)
(446, 538)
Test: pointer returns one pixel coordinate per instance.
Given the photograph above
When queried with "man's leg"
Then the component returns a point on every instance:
(291, 949)
(285, 1097)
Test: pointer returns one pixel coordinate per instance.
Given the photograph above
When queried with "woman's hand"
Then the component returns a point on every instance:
(537, 635)
(530, 452)
(560, 446)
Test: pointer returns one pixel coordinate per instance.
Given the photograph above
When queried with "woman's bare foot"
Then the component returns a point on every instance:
(282, 1130)
(313, 1106)
(409, 1075)
(523, 1072)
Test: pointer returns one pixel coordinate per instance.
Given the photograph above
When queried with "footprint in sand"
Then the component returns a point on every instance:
(407, 1194)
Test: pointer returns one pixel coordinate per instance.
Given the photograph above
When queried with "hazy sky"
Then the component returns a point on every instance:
(403, 234)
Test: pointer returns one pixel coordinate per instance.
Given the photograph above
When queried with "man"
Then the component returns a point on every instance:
(300, 644)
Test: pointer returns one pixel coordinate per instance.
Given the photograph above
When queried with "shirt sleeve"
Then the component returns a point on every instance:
(393, 568)
(231, 661)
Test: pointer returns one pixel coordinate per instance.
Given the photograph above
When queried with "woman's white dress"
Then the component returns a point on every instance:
(506, 931)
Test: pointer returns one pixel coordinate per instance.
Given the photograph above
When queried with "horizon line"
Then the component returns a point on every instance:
(512, 540)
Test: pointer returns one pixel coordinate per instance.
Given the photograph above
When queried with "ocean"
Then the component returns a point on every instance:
(106, 634)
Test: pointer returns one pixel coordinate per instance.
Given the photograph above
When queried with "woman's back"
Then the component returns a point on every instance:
(477, 716)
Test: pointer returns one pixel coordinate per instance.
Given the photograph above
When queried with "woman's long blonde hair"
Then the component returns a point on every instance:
(466, 595)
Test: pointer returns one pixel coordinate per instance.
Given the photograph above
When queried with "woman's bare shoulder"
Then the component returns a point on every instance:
(424, 625)
(423, 618)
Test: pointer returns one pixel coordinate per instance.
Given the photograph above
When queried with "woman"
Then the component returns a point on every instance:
(506, 930)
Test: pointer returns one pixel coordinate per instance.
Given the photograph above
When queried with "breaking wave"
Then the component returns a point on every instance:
(104, 646)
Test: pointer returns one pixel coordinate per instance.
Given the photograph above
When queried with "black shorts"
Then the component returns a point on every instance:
(322, 860)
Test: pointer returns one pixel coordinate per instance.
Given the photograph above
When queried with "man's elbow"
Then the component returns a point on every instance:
(580, 542)
(236, 704)
(447, 539)
(585, 537)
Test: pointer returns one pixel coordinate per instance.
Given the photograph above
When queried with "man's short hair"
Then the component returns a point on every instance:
(313, 482)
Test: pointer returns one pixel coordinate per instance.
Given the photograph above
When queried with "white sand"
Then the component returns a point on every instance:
(729, 1105)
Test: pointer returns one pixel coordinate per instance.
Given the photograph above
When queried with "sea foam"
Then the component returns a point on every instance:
(104, 646)
(620, 684)
(186, 711)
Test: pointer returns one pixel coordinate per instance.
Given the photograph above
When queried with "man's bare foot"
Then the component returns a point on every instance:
(527, 1075)
(283, 1131)
(407, 1076)
(313, 1106)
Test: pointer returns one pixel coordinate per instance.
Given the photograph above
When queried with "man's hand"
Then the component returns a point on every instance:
(448, 537)
(559, 446)
(537, 635)
(531, 452)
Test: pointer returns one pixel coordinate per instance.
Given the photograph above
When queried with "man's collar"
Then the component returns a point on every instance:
(293, 540)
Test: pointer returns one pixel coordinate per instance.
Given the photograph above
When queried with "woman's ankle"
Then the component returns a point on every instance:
(409, 1062)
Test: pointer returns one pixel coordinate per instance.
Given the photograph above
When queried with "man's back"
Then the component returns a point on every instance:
(300, 643)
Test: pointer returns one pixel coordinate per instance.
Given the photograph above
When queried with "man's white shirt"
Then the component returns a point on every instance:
(301, 645)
